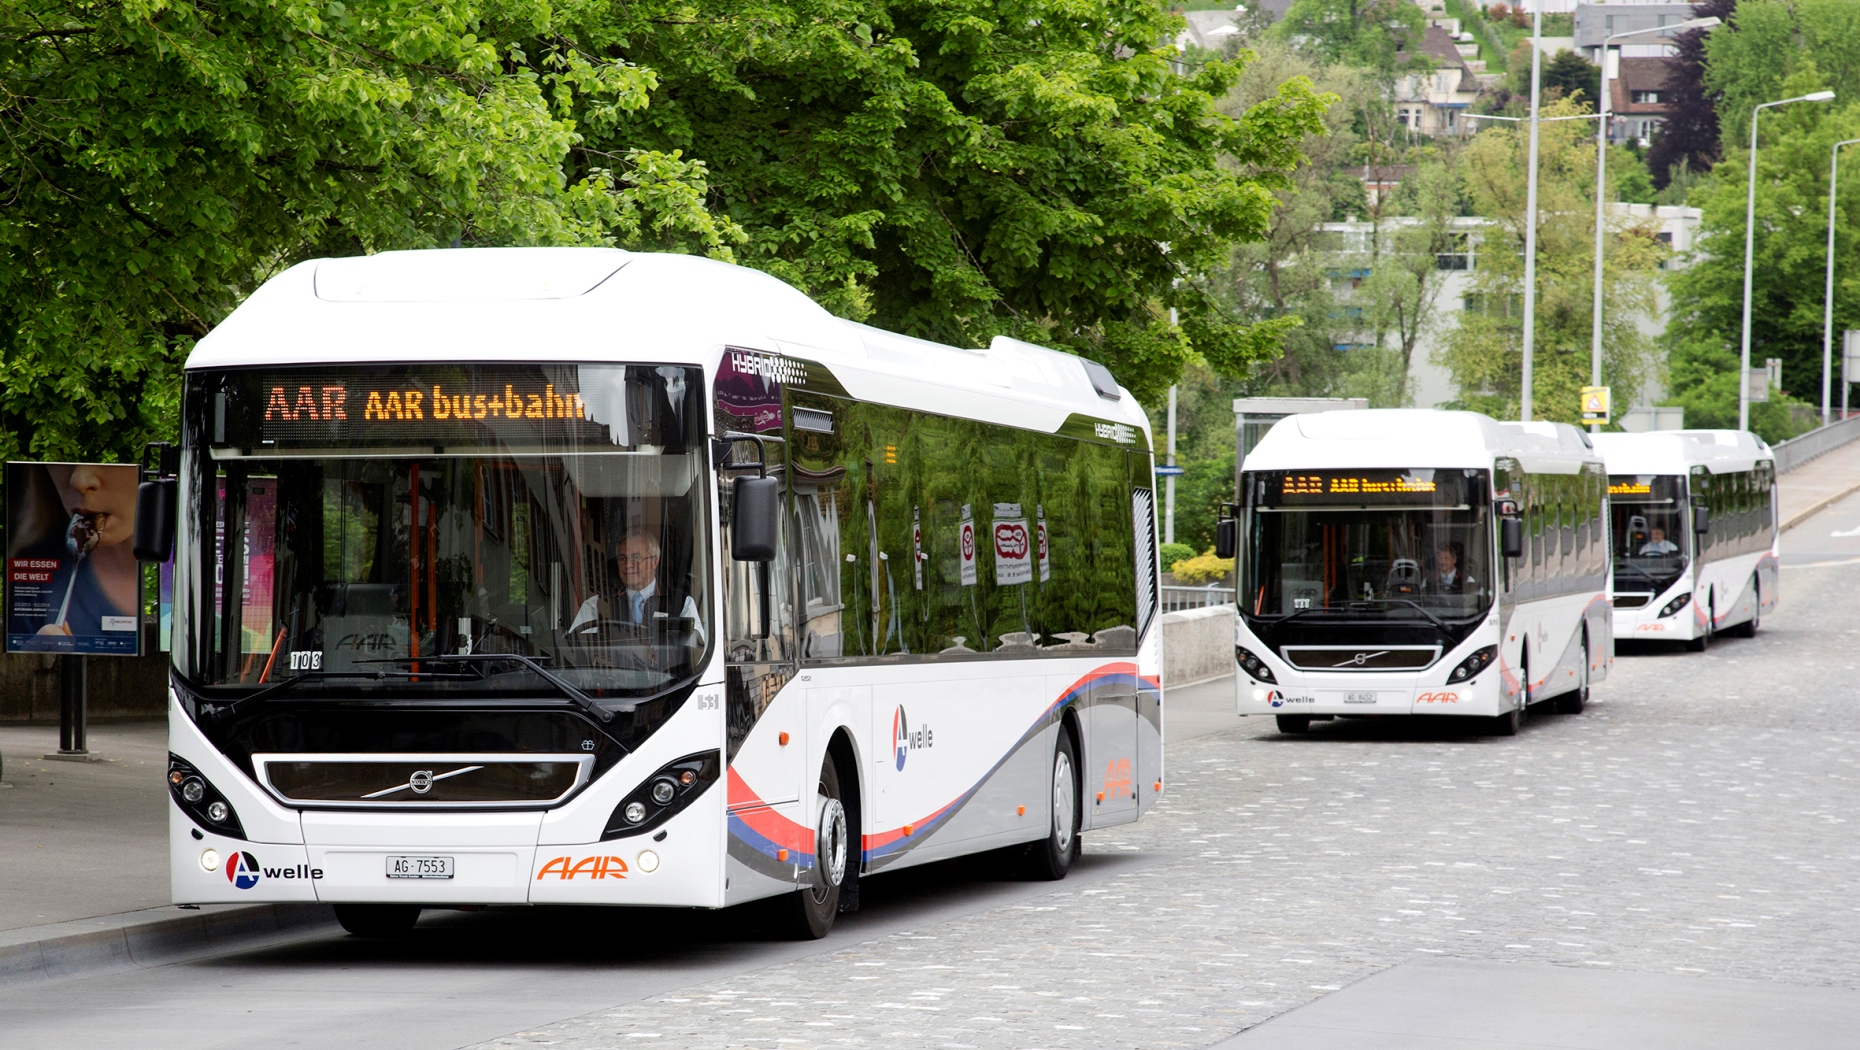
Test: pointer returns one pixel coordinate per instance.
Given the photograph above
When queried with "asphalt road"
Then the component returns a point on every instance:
(1693, 823)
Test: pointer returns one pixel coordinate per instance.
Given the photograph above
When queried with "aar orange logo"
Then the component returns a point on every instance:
(592, 867)
(1437, 698)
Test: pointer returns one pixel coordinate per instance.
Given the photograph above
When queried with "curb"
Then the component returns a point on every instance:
(154, 937)
(1817, 507)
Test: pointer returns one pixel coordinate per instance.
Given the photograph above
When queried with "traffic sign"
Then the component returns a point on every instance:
(1595, 404)
(1169, 472)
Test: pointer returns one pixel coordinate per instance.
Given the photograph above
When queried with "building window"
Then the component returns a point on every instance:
(1646, 98)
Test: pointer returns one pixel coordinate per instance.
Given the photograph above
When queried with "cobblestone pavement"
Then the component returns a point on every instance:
(1695, 820)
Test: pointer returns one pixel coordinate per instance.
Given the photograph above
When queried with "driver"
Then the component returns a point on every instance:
(640, 600)
(1657, 543)
(1447, 576)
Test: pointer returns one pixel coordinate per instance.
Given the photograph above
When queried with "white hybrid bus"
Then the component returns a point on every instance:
(1695, 543)
(584, 577)
(1397, 562)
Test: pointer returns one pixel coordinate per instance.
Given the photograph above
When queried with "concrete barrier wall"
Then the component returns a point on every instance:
(1198, 645)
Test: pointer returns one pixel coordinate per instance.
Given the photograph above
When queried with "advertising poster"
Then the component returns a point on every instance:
(966, 537)
(748, 388)
(1013, 549)
(917, 547)
(73, 584)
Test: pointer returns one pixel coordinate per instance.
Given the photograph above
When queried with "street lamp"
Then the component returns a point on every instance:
(1530, 213)
(1827, 306)
(1750, 244)
(1601, 184)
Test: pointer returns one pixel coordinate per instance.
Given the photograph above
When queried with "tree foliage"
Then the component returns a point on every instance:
(1790, 252)
(1485, 352)
(1369, 34)
(954, 170)
(161, 157)
(1689, 134)
(961, 170)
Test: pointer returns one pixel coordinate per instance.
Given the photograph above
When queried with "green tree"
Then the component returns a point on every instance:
(959, 170)
(1367, 33)
(1567, 76)
(1484, 352)
(1787, 290)
(162, 158)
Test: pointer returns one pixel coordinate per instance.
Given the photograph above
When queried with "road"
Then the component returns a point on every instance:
(1693, 823)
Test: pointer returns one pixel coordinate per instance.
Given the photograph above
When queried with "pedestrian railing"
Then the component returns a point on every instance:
(1796, 451)
(1176, 599)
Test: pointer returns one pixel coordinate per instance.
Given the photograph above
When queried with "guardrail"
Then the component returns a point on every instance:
(1176, 599)
(1796, 451)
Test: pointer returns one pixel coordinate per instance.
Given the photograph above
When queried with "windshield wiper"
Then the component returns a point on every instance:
(475, 660)
(1649, 577)
(312, 676)
(1438, 622)
(1418, 607)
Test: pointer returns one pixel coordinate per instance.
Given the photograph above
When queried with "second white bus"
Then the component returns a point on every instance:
(1398, 562)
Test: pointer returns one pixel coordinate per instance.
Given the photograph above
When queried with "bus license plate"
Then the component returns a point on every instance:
(419, 867)
(1359, 698)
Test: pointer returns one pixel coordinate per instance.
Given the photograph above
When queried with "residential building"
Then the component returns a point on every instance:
(1640, 99)
(1596, 22)
(1433, 103)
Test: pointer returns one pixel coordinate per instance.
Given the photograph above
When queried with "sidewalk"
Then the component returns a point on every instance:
(1817, 483)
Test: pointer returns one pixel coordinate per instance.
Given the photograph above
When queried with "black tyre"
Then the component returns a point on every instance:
(1748, 629)
(1703, 641)
(1294, 723)
(808, 913)
(378, 920)
(1511, 721)
(1051, 858)
(1573, 703)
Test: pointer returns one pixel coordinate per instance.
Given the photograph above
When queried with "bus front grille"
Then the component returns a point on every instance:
(411, 781)
(1361, 657)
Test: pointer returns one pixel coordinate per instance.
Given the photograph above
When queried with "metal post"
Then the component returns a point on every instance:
(1530, 213)
(1169, 482)
(73, 707)
(1827, 305)
(1601, 196)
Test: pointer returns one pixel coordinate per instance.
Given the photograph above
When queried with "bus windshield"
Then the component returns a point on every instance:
(1399, 544)
(500, 531)
(1648, 515)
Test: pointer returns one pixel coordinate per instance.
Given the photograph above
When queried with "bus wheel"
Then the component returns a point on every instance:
(1507, 724)
(1294, 723)
(1748, 629)
(811, 908)
(1703, 641)
(377, 920)
(1572, 703)
(1052, 858)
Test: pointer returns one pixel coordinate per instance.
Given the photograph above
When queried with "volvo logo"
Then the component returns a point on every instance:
(1361, 658)
(421, 781)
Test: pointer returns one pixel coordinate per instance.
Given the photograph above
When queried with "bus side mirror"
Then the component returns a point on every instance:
(1701, 519)
(1511, 537)
(755, 518)
(1226, 537)
(155, 513)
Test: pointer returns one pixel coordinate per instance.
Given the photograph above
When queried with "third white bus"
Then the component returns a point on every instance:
(1694, 538)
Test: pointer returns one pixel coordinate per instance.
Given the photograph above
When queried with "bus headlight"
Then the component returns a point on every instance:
(1473, 664)
(1675, 605)
(199, 799)
(670, 789)
(1253, 665)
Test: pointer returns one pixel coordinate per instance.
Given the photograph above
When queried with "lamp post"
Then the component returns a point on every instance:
(1750, 244)
(1601, 185)
(1827, 305)
(1530, 214)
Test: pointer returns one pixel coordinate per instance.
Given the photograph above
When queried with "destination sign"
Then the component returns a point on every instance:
(1339, 488)
(411, 406)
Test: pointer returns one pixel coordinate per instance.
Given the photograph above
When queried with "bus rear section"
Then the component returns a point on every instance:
(1402, 562)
